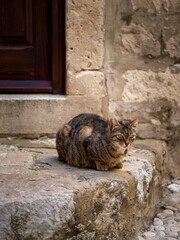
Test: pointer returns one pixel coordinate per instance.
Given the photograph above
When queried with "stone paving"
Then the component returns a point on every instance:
(166, 224)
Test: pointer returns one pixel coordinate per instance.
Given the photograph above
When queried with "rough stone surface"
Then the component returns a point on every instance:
(84, 35)
(136, 40)
(159, 228)
(139, 84)
(174, 188)
(172, 46)
(148, 235)
(85, 47)
(156, 6)
(86, 83)
(141, 67)
(41, 198)
(170, 227)
(144, 86)
(157, 222)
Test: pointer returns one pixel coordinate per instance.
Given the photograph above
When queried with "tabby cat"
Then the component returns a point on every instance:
(90, 141)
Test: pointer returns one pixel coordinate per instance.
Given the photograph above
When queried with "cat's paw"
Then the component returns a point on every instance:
(126, 152)
(119, 165)
(101, 167)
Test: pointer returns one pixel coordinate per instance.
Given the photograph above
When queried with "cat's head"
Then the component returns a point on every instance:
(122, 133)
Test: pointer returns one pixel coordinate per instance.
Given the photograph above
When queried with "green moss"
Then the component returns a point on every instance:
(98, 208)
(138, 138)
(18, 224)
(37, 166)
(30, 238)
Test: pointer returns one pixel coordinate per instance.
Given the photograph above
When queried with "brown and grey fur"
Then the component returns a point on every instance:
(90, 141)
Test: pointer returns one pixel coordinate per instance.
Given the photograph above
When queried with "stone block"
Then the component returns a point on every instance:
(51, 200)
(84, 35)
(172, 46)
(87, 83)
(39, 115)
(149, 86)
(156, 6)
(137, 40)
(151, 6)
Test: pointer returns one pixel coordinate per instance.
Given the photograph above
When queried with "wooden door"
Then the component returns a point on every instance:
(32, 46)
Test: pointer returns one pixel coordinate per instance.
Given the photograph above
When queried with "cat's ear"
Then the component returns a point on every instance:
(134, 123)
(122, 123)
(113, 123)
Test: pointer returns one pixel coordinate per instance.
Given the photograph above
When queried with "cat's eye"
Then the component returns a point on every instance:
(132, 138)
(120, 137)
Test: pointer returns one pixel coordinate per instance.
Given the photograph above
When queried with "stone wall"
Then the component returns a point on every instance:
(142, 64)
(85, 48)
(142, 67)
(127, 53)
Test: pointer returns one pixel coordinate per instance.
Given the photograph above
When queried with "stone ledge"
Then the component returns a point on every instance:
(42, 115)
(42, 198)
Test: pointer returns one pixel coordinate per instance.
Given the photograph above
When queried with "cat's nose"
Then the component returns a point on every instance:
(127, 143)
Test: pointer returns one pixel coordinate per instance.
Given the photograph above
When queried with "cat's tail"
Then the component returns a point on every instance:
(62, 142)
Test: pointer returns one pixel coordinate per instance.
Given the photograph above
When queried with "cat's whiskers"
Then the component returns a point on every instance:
(124, 147)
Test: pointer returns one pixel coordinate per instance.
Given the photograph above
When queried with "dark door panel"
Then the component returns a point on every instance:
(13, 18)
(30, 40)
(17, 63)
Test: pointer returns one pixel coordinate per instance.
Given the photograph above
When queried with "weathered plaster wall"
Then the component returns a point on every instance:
(142, 64)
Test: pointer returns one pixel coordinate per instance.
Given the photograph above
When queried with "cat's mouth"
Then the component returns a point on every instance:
(118, 145)
(124, 147)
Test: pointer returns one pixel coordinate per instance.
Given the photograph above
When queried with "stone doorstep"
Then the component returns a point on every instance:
(42, 198)
(43, 114)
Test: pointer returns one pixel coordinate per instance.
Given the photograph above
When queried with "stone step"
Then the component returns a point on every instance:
(42, 198)
(31, 115)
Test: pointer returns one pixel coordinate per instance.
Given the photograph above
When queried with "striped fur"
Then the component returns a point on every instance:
(90, 141)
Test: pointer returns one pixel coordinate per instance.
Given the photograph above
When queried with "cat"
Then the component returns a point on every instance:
(90, 141)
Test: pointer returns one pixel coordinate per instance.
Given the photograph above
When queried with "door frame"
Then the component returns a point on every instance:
(58, 46)
(57, 83)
